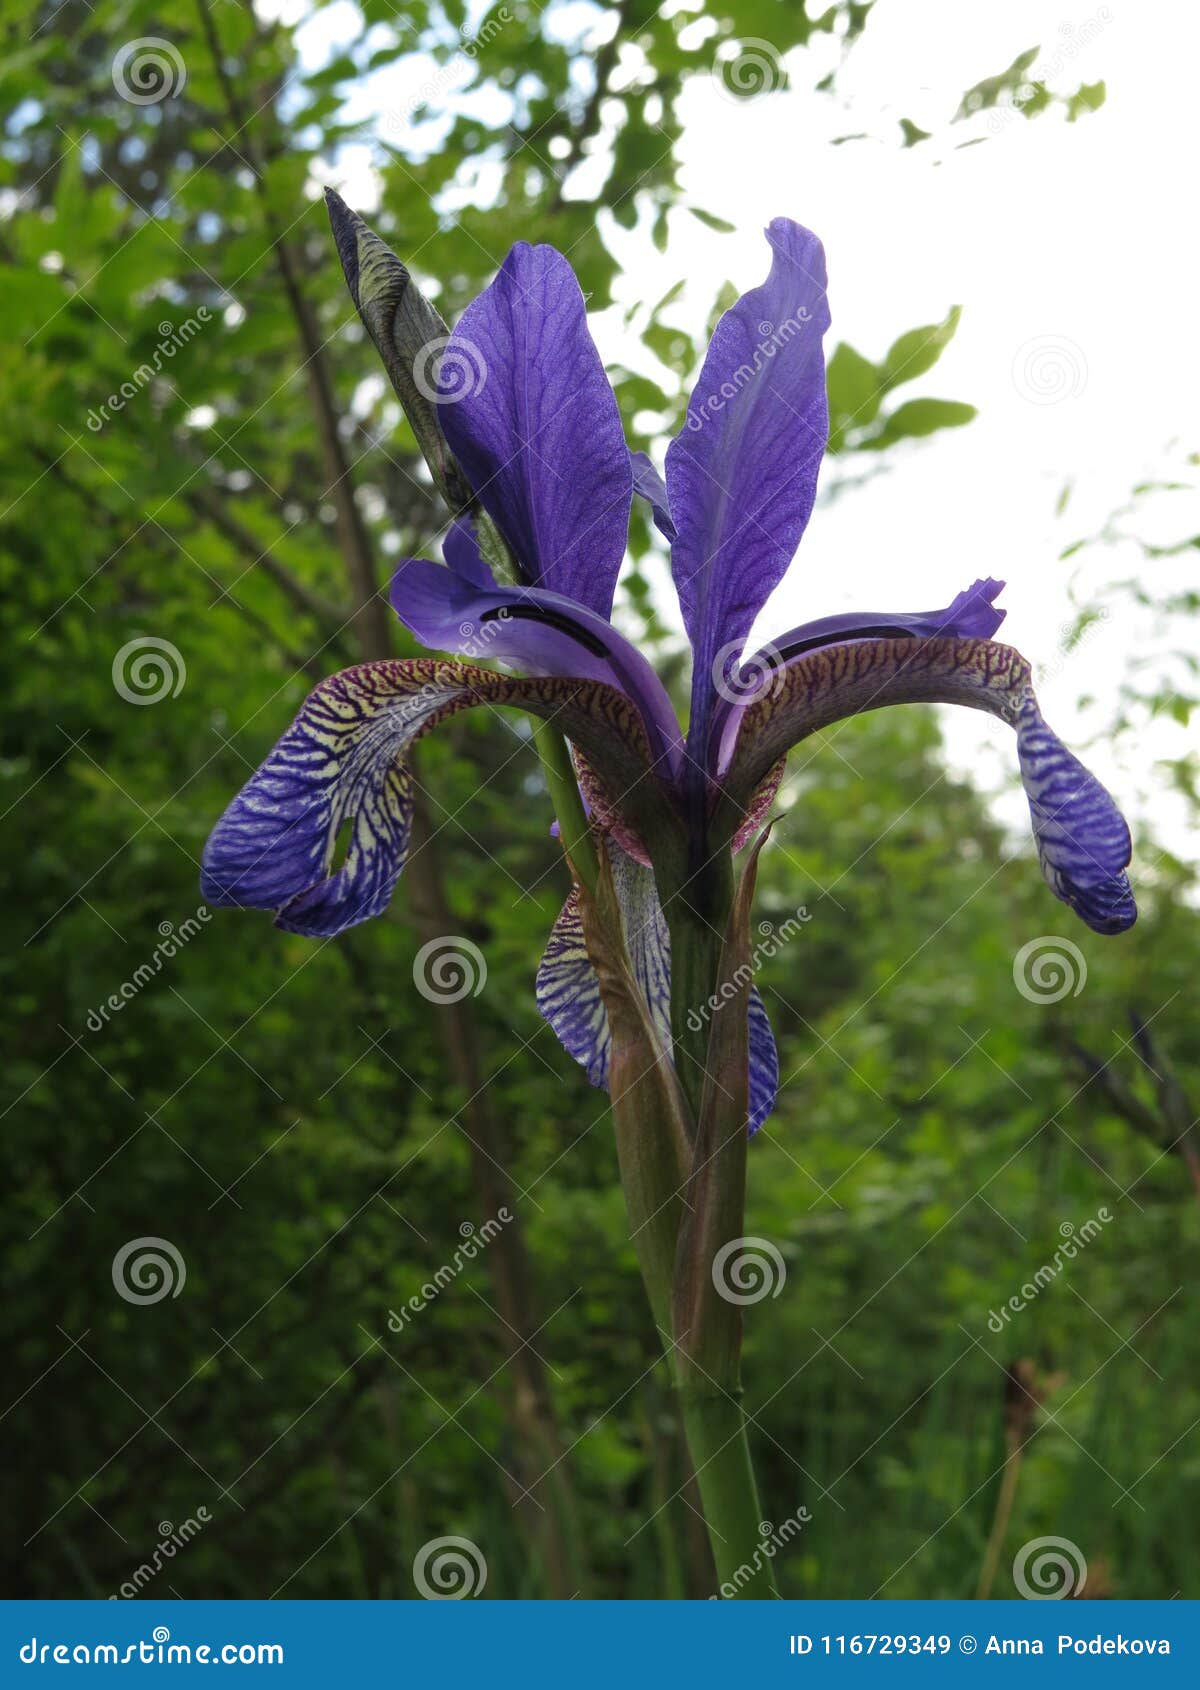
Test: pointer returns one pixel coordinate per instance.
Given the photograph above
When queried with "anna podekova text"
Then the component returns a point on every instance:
(867, 1643)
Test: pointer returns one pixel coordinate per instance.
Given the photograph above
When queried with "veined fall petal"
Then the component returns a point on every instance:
(568, 990)
(340, 769)
(1082, 840)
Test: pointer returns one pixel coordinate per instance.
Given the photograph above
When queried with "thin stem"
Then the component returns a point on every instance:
(1004, 1508)
(708, 923)
(716, 1434)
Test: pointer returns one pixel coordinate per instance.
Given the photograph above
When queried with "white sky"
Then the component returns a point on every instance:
(1080, 237)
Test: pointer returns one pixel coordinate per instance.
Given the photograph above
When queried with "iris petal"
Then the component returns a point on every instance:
(529, 414)
(1082, 840)
(462, 554)
(568, 991)
(337, 766)
(764, 1063)
(742, 473)
(541, 632)
(971, 615)
(339, 769)
(568, 995)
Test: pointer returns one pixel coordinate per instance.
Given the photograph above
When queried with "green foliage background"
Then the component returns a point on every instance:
(310, 1132)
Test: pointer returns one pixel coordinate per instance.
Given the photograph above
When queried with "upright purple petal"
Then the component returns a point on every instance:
(539, 632)
(529, 414)
(742, 473)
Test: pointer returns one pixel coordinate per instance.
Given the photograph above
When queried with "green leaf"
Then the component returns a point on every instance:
(988, 93)
(918, 351)
(711, 220)
(919, 417)
(855, 389)
(1088, 97)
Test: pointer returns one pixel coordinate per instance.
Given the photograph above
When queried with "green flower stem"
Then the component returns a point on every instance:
(574, 830)
(681, 1142)
(706, 1358)
(716, 1435)
(697, 915)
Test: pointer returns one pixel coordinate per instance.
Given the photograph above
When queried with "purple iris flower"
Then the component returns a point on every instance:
(523, 435)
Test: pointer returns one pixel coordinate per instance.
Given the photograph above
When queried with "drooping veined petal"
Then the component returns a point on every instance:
(529, 414)
(340, 769)
(1082, 840)
(568, 990)
(568, 995)
(742, 472)
(971, 615)
(540, 632)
